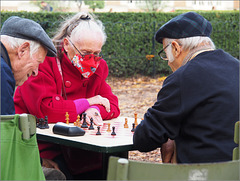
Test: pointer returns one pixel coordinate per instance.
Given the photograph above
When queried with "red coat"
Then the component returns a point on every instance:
(41, 95)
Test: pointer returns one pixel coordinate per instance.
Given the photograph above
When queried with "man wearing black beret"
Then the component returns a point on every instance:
(198, 104)
(24, 45)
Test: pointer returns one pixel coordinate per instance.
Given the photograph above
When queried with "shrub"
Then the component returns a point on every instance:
(131, 37)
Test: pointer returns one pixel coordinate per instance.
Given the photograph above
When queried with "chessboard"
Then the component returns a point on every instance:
(123, 127)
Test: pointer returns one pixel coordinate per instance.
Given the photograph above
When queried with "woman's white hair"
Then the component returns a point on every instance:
(90, 26)
(16, 42)
(190, 43)
(75, 25)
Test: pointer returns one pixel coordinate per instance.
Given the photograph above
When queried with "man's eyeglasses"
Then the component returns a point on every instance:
(162, 54)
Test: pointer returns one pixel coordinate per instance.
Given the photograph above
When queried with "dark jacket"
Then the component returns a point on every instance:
(197, 107)
(7, 84)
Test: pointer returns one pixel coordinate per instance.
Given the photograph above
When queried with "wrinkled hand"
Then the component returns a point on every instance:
(49, 163)
(167, 152)
(101, 101)
(93, 113)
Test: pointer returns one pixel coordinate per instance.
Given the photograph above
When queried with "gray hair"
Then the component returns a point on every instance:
(16, 42)
(74, 26)
(190, 43)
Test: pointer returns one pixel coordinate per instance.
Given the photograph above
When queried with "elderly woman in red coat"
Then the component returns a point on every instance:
(72, 82)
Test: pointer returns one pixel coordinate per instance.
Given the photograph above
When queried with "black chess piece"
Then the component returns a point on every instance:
(41, 123)
(113, 131)
(98, 132)
(133, 127)
(46, 122)
(91, 125)
(37, 122)
(84, 124)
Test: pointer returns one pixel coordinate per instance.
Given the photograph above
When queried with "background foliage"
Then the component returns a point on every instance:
(131, 37)
(95, 4)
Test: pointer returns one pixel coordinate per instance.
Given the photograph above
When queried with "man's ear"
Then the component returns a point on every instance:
(176, 48)
(23, 49)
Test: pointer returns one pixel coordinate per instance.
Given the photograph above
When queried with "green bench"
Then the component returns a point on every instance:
(124, 169)
(236, 140)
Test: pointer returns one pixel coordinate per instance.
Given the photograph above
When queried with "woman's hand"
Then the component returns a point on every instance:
(49, 163)
(95, 115)
(101, 101)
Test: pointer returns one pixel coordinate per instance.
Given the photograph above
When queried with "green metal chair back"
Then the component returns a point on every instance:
(20, 159)
(123, 169)
(236, 140)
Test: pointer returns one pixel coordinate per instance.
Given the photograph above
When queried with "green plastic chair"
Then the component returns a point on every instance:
(20, 159)
(236, 140)
(124, 169)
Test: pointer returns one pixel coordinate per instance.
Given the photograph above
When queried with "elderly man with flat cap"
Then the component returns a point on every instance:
(24, 45)
(198, 104)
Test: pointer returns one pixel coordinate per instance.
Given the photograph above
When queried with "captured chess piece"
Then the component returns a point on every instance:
(37, 122)
(84, 124)
(113, 131)
(109, 129)
(91, 124)
(67, 118)
(46, 122)
(41, 123)
(126, 124)
(98, 132)
(133, 127)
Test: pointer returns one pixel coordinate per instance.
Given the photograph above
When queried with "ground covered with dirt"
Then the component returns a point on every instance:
(136, 95)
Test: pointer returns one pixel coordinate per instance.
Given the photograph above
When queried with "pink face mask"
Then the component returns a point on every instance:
(87, 64)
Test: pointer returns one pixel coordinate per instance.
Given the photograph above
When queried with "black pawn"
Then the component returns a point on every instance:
(113, 131)
(41, 123)
(133, 127)
(84, 124)
(98, 132)
(46, 122)
(91, 125)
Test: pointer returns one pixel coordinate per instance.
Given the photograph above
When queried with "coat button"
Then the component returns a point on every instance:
(68, 84)
(57, 98)
(85, 84)
(112, 115)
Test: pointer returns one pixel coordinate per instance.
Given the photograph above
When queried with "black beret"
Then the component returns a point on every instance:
(30, 30)
(185, 25)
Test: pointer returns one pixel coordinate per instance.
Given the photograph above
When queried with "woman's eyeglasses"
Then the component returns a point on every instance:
(97, 57)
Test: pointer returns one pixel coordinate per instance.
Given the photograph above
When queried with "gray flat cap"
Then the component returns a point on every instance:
(29, 30)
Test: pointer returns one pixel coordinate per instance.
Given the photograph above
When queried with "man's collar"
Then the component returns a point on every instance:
(193, 53)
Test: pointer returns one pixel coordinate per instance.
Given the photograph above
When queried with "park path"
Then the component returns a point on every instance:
(136, 95)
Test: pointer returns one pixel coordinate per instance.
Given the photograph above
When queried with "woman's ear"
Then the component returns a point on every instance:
(23, 49)
(66, 44)
(176, 49)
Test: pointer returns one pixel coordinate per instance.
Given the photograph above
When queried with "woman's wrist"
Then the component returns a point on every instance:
(81, 105)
